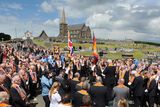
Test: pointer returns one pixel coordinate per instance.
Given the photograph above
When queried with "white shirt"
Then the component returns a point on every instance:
(55, 100)
(92, 67)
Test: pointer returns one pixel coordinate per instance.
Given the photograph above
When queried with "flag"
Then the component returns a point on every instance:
(70, 44)
(94, 47)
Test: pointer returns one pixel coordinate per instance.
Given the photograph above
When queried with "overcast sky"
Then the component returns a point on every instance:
(109, 19)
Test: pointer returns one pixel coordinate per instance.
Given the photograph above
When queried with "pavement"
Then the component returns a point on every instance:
(40, 101)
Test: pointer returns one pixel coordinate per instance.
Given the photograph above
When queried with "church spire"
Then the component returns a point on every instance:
(63, 17)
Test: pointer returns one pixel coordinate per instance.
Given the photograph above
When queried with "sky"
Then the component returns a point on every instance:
(108, 19)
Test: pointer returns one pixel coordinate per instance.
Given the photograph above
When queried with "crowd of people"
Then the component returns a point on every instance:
(75, 81)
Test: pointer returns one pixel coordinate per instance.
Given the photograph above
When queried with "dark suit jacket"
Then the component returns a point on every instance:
(77, 99)
(7, 83)
(73, 84)
(25, 86)
(110, 79)
(15, 98)
(99, 96)
(137, 86)
(152, 88)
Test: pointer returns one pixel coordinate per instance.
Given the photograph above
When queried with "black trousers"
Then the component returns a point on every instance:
(137, 101)
(33, 89)
(151, 101)
(46, 100)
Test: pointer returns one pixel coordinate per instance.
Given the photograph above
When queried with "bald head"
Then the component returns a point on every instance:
(98, 79)
(77, 75)
(121, 81)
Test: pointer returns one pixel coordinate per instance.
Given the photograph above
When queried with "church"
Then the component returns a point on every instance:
(76, 31)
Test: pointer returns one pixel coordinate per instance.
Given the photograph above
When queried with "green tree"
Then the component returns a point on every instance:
(4, 37)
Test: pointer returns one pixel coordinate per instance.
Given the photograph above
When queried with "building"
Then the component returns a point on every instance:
(76, 31)
(27, 35)
(42, 36)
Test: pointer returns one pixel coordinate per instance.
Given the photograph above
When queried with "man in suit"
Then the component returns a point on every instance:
(151, 89)
(74, 82)
(110, 77)
(136, 85)
(33, 81)
(18, 96)
(24, 80)
(98, 93)
(110, 72)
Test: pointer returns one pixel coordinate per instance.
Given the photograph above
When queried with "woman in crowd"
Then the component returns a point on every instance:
(54, 96)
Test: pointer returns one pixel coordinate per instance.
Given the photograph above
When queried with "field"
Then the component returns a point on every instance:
(139, 49)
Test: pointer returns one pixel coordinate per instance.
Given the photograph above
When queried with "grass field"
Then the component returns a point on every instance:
(139, 49)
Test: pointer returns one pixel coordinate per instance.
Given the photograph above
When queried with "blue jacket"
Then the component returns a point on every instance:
(46, 85)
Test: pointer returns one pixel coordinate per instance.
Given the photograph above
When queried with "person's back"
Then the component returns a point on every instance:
(77, 99)
(73, 83)
(120, 92)
(98, 94)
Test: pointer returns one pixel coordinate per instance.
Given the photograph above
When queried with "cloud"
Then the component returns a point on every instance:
(98, 20)
(14, 6)
(113, 19)
(118, 18)
(154, 25)
(54, 22)
(47, 7)
(10, 23)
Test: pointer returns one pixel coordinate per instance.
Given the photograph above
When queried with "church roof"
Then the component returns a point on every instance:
(85, 28)
(76, 27)
(43, 35)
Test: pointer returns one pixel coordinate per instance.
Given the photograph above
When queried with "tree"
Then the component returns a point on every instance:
(4, 37)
